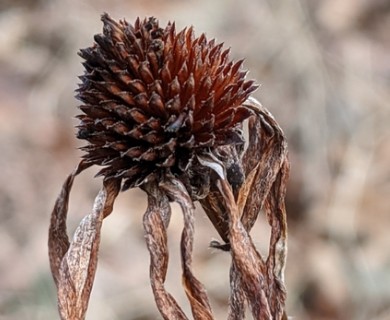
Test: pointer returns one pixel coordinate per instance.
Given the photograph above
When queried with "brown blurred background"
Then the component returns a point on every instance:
(324, 67)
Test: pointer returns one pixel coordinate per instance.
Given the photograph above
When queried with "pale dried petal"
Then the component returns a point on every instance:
(58, 237)
(74, 265)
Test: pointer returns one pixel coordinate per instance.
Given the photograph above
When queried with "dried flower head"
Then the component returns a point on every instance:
(165, 111)
(154, 99)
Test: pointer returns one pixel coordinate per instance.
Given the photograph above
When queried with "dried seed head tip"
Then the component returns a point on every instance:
(154, 98)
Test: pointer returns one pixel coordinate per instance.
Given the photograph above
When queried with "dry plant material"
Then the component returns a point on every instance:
(164, 111)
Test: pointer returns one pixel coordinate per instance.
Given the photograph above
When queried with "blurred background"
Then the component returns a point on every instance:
(324, 70)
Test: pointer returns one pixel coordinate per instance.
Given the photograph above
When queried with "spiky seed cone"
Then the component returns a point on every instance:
(154, 98)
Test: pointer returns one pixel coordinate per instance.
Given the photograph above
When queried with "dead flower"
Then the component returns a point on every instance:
(164, 111)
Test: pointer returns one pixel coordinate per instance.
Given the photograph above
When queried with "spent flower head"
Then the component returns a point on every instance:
(155, 98)
(165, 111)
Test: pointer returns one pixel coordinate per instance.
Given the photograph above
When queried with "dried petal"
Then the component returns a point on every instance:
(266, 168)
(195, 291)
(156, 220)
(58, 237)
(248, 263)
(74, 265)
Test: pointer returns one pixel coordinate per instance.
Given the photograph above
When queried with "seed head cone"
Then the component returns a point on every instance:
(153, 99)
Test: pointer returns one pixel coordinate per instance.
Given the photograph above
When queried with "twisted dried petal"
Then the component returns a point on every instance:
(195, 291)
(156, 220)
(248, 263)
(74, 264)
(233, 212)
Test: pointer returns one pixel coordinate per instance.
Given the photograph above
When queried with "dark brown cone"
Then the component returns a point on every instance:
(154, 99)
